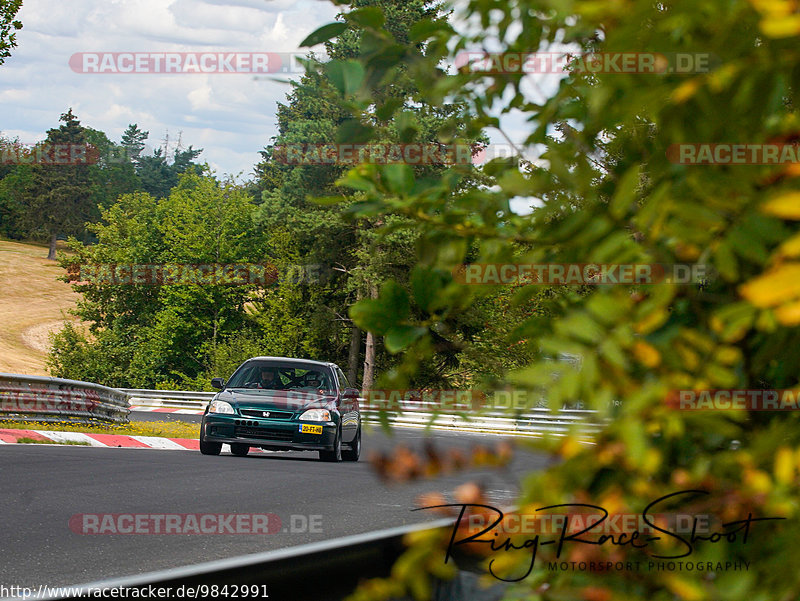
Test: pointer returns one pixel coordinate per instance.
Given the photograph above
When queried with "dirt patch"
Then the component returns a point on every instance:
(33, 302)
(38, 337)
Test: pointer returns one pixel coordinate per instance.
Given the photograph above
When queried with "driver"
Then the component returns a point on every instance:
(268, 379)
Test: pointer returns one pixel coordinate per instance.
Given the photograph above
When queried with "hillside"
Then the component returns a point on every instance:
(32, 304)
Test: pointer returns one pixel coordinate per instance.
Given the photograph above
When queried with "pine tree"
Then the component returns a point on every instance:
(60, 199)
(133, 140)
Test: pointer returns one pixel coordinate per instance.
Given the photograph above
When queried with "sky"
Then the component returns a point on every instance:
(232, 116)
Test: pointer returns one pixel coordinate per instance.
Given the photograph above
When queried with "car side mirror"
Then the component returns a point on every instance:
(350, 393)
(218, 383)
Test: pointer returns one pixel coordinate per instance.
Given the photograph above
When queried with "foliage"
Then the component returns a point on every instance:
(158, 176)
(40, 200)
(26, 440)
(59, 200)
(8, 27)
(15, 187)
(610, 195)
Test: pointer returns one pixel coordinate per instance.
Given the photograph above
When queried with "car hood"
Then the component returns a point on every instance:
(283, 400)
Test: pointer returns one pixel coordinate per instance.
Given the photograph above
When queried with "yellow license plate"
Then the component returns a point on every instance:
(310, 429)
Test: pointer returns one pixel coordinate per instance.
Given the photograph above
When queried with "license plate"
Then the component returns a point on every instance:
(310, 429)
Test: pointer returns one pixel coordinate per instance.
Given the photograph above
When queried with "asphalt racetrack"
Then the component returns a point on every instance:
(44, 486)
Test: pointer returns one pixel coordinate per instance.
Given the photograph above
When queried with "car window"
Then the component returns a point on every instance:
(271, 376)
(342, 379)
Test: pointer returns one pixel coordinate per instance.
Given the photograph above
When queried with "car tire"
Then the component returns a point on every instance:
(354, 451)
(240, 450)
(336, 453)
(210, 448)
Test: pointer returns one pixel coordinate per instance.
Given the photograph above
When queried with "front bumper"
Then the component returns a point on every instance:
(267, 433)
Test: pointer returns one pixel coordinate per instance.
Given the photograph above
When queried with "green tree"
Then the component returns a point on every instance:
(158, 176)
(15, 182)
(134, 141)
(112, 173)
(170, 334)
(61, 199)
(29, 175)
(8, 27)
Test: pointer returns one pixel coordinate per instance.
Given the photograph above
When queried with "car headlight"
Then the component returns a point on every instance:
(316, 415)
(220, 407)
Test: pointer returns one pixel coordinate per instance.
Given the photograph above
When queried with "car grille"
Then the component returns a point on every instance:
(272, 414)
(263, 433)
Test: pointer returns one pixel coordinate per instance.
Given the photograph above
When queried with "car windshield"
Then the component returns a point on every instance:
(266, 375)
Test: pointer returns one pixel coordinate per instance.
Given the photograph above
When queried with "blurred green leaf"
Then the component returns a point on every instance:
(345, 75)
(323, 34)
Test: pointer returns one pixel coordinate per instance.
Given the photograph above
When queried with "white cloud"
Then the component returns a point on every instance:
(231, 116)
(524, 205)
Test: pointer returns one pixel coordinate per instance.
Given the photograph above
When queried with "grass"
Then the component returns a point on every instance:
(167, 429)
(25, 440)
(32, 304)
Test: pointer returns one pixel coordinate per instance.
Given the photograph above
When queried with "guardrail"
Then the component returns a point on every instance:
(531, 422)
(327, 570)
(168, 398)
(43, 399)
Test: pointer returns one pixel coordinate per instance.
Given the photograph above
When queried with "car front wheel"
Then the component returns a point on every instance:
(354, 451)
(336, 453)
(210, 448)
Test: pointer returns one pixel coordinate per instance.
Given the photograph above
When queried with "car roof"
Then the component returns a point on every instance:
(292, 360)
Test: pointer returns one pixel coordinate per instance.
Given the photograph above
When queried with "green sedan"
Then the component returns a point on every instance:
(283, 404)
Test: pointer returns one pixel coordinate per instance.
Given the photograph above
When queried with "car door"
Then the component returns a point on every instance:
(348, 408)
